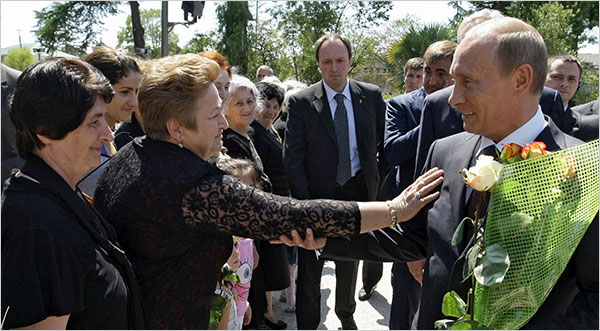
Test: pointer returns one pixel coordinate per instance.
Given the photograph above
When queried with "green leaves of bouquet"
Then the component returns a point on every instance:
(219, 300)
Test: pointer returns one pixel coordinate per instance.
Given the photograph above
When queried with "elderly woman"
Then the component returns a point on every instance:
(274, 260)
(61, 265)
(175, 213)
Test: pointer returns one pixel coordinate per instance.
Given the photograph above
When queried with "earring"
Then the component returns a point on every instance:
(180, 144)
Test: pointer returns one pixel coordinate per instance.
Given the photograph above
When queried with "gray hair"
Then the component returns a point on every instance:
(264, 66)
(239, 83)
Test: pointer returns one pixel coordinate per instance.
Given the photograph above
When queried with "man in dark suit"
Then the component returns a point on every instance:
(333, 138)
(10, 157)
(400, 145)
(439, 119)
(497, 90)
(564, 75)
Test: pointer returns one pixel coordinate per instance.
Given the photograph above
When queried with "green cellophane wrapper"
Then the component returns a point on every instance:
(539, 212)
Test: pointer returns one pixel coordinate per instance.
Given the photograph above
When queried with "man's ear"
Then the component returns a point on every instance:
(523, 77)
(175, 130)
(45, 140)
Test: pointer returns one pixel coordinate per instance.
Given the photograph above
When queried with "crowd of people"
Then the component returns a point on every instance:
(133, 187)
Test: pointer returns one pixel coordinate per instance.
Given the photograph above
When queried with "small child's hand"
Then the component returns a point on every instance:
(248, 316)
(234, 259)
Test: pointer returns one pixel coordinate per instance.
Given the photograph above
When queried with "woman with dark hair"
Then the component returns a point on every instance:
(124, 75)
(274, 260)
(61, 264)
(175, 213)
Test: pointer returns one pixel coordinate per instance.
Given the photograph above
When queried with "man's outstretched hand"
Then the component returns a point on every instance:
(309, 242)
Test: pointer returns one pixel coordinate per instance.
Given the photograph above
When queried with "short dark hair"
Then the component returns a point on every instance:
(269, 91)
(112, 64)
(52, 98)
(332, 37)
(566, 58)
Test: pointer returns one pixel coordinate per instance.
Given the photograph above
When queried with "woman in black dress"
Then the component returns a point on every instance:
(270, 149)
(61, 266)
(175, 213)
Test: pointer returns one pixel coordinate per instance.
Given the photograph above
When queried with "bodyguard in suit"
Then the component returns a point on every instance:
(400, 146)
(564, 75)
(10, 157)
(333, 138)
(499, 70)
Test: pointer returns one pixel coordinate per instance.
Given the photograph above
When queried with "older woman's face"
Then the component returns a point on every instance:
(241, 110)
(269, 113)
(125, 101)
(79, 151)
(222, 84)
(206, 139)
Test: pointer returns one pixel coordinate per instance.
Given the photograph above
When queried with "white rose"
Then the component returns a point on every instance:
(483, 175)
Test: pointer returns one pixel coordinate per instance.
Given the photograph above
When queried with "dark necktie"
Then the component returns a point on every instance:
(478, 202)
(340, 122)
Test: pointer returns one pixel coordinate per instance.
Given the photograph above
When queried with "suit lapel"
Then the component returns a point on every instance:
(321, 105)
(552, 136)
(361, 115)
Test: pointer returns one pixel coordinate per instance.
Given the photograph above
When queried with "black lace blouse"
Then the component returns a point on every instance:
(175, 213)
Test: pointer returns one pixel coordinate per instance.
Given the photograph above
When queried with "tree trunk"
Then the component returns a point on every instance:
(138, 31)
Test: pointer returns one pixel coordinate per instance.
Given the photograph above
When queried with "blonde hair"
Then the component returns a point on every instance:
(475, 19)
(170, 89)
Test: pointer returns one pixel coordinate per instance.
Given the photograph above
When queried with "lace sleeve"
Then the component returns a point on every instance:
(223, 203)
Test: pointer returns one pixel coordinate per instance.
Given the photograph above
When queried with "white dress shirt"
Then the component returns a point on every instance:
(331, 93)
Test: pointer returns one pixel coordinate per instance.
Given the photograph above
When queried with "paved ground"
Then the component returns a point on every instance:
(372, 314)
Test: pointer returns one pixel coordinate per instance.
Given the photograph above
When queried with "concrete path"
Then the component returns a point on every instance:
(372, 314)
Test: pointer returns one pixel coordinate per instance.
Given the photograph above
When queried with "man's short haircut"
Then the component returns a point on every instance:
(242, 83)
(333, 37)
(269, 91)
(52, 98)
(113, 64)
(220, 59)
(476, 18)
(516, 43)
(439, 50)
(265, 67)
(566, 58)
(416, 63)
(171, 88)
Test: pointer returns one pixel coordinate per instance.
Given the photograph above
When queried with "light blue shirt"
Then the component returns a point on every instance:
(331, 93)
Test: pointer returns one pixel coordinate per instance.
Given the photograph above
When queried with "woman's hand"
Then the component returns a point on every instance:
(309, 242)
(417, 195)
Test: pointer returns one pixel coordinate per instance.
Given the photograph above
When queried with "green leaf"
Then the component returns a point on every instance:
(229, 275)
(443, 324)
(470, 261)
(468, 325)
(492, 266)
(458, 235)
(453, 305)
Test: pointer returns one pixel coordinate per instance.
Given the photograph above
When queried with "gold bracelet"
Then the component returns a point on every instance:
(393, 214)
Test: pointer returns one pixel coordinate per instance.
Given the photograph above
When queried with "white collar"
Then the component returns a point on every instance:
(525, 134)
(331, 93)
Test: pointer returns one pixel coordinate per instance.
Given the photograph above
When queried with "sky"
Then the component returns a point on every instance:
(19, 15)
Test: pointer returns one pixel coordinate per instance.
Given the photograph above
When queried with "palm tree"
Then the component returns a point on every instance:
(413, 44)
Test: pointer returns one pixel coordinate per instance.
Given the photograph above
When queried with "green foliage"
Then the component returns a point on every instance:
(589, 90)
(581, 15)
(72, 26)
(413, 44)
(19, 58)
(151, 22)
(266, 48)
(492, 266)
(302, 23)
(453, 305)
(233, 19)
(201, 42)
